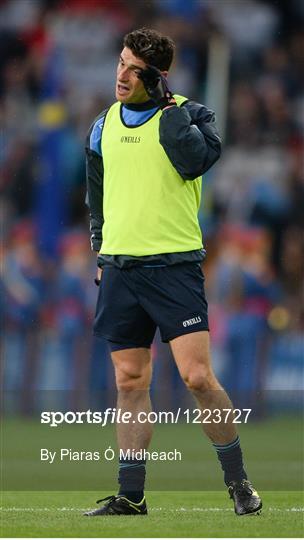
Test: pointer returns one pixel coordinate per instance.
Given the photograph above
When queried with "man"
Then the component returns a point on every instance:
(145, 158)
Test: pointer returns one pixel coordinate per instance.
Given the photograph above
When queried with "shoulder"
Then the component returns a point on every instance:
(198, 111)
(94, 134)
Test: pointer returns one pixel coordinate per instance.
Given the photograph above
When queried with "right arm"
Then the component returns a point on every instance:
(94, 181)
(94, 197)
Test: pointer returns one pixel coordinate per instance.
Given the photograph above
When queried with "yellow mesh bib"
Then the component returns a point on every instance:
(148, 208)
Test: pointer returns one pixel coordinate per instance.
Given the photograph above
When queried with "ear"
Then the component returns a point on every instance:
(164, 73)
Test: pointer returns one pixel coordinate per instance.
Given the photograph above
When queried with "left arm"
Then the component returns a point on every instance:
(188, 134)
(190, 138)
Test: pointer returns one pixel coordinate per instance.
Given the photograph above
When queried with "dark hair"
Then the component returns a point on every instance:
(151, 46)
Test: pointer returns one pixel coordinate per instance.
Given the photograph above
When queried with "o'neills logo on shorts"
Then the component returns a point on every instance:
(129, 139)
(190, 322)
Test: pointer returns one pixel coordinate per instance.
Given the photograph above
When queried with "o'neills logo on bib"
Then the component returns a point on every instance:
(129, 139)
(190, 322)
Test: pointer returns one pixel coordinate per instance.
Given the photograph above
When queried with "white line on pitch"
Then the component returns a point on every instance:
(196, 509)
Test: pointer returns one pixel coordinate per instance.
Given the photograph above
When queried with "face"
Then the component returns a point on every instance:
(129, 88)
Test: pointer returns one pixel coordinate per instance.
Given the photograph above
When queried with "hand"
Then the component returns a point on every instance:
(156, 86)
(97, 280)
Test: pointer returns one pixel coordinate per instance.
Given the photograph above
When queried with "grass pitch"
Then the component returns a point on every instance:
(273, 451)
(171, 514)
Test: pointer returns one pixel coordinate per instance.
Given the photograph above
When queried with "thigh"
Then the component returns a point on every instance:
(119, 317)
(132, 364)
(192, 353)
(192, 356)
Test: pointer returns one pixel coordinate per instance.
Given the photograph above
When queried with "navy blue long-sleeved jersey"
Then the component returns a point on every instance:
(188, 135)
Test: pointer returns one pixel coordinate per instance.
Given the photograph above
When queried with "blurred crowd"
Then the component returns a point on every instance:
(57, 72)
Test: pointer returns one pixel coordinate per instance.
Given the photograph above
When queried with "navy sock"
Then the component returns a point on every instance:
(231, 459)
(131, 478)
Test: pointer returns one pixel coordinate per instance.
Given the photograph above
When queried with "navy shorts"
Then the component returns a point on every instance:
(133, 302)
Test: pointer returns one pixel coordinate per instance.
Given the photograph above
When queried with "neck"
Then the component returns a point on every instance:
(140, 106)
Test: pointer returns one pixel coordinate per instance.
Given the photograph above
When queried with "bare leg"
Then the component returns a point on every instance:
(133, 370)
(192, 356)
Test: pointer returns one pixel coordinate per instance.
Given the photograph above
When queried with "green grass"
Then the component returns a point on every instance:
(171, 514)
(273, 451)
(43, 500)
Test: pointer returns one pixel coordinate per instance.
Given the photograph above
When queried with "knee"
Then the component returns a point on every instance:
(131, 381)
(200, 380)
(131, 384)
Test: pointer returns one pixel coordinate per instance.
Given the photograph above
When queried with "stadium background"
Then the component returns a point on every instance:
(244, 58)
(57, 72)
